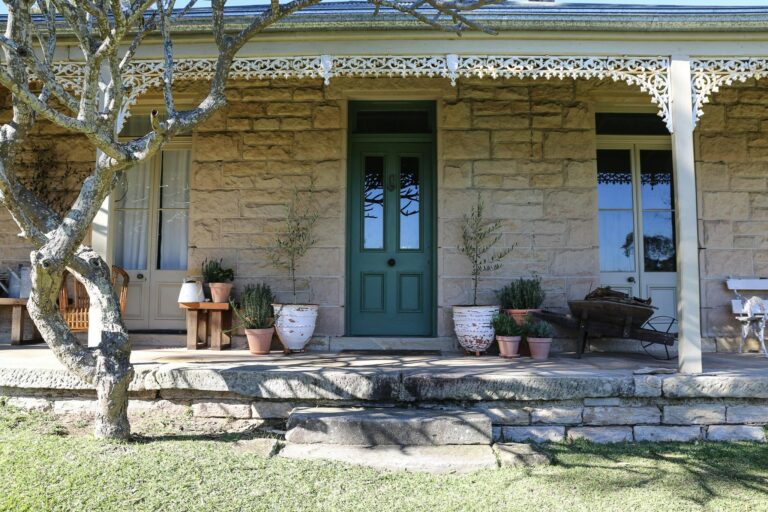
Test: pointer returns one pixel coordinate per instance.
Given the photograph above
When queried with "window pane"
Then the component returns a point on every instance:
(132, 190)
(659, 241)
(131, 239)
(373, 203)
(390, 121)
(172, 240)
(410, 218)
(656, 178)
(617, 241)
(174, 182)
(614, 178)
(629, 124)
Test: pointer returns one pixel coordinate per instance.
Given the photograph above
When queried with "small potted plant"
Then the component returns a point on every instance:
(472, 323)
(295, 323)
(521, 297)
(508, 335)
(538, 334)
(219, 279)
(255, 317)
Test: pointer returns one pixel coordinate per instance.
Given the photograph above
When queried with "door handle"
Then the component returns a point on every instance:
(139, 276)
(630, 279)
(391, 262)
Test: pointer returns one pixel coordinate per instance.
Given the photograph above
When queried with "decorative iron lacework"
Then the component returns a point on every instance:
(708, 75)
(651, 74)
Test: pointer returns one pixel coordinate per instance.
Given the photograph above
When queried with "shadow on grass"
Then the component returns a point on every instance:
(714, 467)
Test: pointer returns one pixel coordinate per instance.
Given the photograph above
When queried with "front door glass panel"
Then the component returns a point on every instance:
(172, 229)
(615, 216)
(373, 203)
(132, 217)
(656, 185)
(410, 212)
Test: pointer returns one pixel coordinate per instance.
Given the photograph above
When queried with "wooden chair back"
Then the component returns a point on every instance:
(74, 302)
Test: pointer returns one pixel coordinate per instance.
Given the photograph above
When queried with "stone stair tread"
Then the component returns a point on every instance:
(426, 459)
(387, 426)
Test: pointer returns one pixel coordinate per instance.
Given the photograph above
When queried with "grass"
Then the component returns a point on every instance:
(48, 465)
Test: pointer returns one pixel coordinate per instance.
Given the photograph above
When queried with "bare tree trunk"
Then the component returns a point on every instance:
(106, 367)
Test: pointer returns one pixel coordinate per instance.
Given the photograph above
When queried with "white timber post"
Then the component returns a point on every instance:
(689, 300)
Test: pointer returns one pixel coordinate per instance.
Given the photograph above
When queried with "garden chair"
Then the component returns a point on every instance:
(74, 308)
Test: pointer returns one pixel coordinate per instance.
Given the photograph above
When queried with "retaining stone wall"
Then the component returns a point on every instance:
(600, 420)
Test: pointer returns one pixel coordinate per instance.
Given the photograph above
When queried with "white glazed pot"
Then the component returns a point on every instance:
(295, 324)
(191, 291)
(473, 326)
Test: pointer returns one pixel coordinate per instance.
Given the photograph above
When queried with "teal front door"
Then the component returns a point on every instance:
(391, 203)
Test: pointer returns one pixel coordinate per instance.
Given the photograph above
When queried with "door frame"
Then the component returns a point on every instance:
(431, 138)
(635, 144)
(179, 143)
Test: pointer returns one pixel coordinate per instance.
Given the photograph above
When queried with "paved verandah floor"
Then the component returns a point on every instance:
(39, 356)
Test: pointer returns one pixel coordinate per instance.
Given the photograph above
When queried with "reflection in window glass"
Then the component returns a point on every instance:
(409, 203)
(614, 178)
(659, 241)
(617, 241)
(656, 178)
(373, 203)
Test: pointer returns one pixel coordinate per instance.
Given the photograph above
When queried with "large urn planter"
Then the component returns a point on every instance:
(473, 327)
(259, 340)
(295, 324)
(220, 292)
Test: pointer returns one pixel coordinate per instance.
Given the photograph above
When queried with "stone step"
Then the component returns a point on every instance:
(426, 459)
(387, 426)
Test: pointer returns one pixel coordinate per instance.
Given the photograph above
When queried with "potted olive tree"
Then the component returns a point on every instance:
(521, 297)
(295, 323)
(508, 335)
(479, 236)
(219, 279)
(255, 317)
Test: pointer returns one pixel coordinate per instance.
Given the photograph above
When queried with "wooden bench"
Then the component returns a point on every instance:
(18, 317)
(751, 313)
(206, 319)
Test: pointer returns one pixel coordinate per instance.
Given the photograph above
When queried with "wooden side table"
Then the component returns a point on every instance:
(18, 317)
(206, 319)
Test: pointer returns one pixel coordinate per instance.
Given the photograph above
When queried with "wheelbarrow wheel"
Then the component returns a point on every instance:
(661, 323)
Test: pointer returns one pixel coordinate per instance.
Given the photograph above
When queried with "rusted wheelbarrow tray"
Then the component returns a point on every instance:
(608, 319)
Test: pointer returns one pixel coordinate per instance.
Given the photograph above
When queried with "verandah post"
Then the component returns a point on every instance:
(689, 301)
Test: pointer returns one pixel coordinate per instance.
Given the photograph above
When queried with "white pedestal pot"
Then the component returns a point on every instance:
(295, 324)
(473, 326)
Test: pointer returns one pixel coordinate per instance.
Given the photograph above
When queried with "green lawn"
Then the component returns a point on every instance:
(45, 465)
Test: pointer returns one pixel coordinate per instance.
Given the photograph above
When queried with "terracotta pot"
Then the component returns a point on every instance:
(473, 327)
(508, 346)
(295, 324)
(519, 314)
(540, 348)
(259, 340)
(220, 291)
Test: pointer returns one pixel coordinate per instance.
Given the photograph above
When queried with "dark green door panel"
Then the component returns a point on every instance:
(391, 231)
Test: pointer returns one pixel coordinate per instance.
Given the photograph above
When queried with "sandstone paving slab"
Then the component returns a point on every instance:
(423, 459)
(387, 426)
(264, 448)
(520, 454)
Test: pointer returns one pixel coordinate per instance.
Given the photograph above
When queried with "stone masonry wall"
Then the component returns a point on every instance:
(732, 179)
(527, 148)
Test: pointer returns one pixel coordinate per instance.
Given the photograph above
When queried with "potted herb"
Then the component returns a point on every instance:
(472, 323)
(538, 334)
(255, 315)
(521, 297)
(295, 323)
(508, 335)
(219, 279)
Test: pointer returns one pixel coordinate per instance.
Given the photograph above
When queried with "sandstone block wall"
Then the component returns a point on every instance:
(732, 179)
